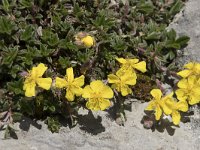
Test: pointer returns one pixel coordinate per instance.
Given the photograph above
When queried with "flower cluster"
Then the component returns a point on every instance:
(126, 75)
(97, 93)
(166, 104)
(189, 85)
(188, 92)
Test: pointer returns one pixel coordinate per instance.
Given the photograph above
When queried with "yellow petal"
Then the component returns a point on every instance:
(189, 65)
(38, 71)
(193, 99)
(141, 66)
(184, 73)
(176, 117)
(97, 104)
(125, 90)
(92, 105)
(156, 93)
(121, 60)
(77, 90)
(113, 78)
(183, 84)
(29, 89)
(97, 86)
(70, 74)
(44, 83)
(198, 67)
(182, 106)
(87, 92)
(69, 95)
(151, 106)
(181, 95)
(133, 61)
(129, 78)
(60, 83)
(158, 112)
(168, 106)
(104, 103)
(79, 81)
(196, 90)
(192, 80)
(125, 69)
(107, 92)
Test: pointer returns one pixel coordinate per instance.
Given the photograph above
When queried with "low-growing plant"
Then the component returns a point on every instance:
(58, 56)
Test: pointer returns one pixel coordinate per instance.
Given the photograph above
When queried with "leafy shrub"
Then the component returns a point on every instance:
(87, 35)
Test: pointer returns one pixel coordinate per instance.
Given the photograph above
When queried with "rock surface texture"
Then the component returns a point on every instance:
(99, 132)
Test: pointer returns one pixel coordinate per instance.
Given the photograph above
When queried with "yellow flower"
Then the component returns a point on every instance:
(71, 84)
(122, 81)
(192, 68)
(189, 90)
(127, 64)
(158, 103)
(176, 107)
(97, 94)
(35, 77)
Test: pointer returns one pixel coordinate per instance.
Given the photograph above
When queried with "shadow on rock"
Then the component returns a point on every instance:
(163, 125)
(91, 124)
(149, 122)
(26, 122)
(117, 112)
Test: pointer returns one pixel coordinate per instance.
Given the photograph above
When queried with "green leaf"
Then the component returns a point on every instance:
(17, 116)
(46, 34)
(118, 43)
(5, 5)
(176, 7)
(27, 34)
(15, 70)
(172, 44)
(63, 44)
(153, 36)
(171, 35)
(9, 56)
(77, 11)
(26, 3)
(27, 106)
(146, 8)
(64, 62)
(183, 40)
(45, 51)
(53, 124)
(10, 132)
(54, 40)
(16, 86)
(6, 25)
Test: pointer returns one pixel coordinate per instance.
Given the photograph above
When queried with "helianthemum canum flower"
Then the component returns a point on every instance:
(84, 39)
(121, 81)
(189, 89)
(34, 78)
(175, 108)
(192, 68)
(132, 64)
(97, 95)
(71, 84)
(158, 103)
